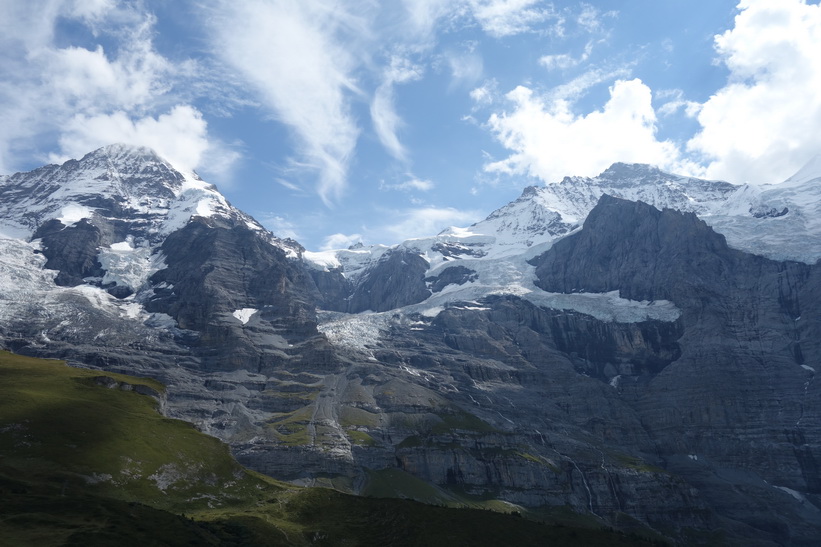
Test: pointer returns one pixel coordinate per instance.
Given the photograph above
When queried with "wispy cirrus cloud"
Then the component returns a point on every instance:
(412, 183)
(386, 121)
(300, 59)
(501, 18)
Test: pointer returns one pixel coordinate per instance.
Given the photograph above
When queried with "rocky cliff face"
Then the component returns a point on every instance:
(608, 356)
(735, 400)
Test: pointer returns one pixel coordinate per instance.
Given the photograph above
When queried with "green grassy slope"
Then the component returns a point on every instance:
(86, 460)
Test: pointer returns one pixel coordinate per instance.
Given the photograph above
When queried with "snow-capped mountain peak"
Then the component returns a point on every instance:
(116, 181)
(129, 196)
(809, 173)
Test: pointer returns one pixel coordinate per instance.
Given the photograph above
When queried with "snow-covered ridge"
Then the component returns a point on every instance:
(781, 222)
(127, 181)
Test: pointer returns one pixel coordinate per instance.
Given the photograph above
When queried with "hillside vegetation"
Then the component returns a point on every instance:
(86, 459)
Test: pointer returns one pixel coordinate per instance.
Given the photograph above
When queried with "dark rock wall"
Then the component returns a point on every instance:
(215, 268)
(738, 396)
(397, 280)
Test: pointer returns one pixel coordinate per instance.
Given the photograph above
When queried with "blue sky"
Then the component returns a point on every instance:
(338, 121)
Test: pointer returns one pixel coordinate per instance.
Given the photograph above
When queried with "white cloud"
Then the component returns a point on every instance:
(763, 125)
(497, 18)
(590, 18)
(61, 102)
(340, 241)
(180, 135)
(386, 122)
(485, 95)
(559, 60)
(563, 60)
(501, 18)
(578, 86)
(424, 15)
(299, 57)
(675, 101)
(281, 227)
(466, 68)
(423, 222)
(549, 140)
(411, 184)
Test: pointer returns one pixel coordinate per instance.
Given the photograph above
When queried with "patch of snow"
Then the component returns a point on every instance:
(244, 315)
(795, 494)
(355, 331)
(204, 208)
(73, 213)
(322, 260)
(129, 265)
(615, 381)
(97, 478)
(411, 371)
(807, 367)
(693, 457)
(160, 320)
(166, 475)
(432, 312)
(132, 310)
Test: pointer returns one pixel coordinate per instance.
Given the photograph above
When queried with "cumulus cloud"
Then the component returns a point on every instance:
(549, 140)
(763, 125)
(340, 241)
(299, 57)
(67, 100)
(423, 222)
(179, 135)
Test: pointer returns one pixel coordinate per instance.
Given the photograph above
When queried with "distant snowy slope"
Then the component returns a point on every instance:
(781, 222)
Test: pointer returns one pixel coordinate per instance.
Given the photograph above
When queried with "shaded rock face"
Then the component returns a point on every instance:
(72, 251)
(215, 267)
(397, 280)
(455, 275)
(737, 397)
(333, 288)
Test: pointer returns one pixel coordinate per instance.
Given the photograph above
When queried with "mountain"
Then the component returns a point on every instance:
(638, 347)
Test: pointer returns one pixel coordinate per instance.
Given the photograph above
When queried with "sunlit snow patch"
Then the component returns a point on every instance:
(129, 265)
(797, 495)
(73, 213)
(355, 331)
(244, 315)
